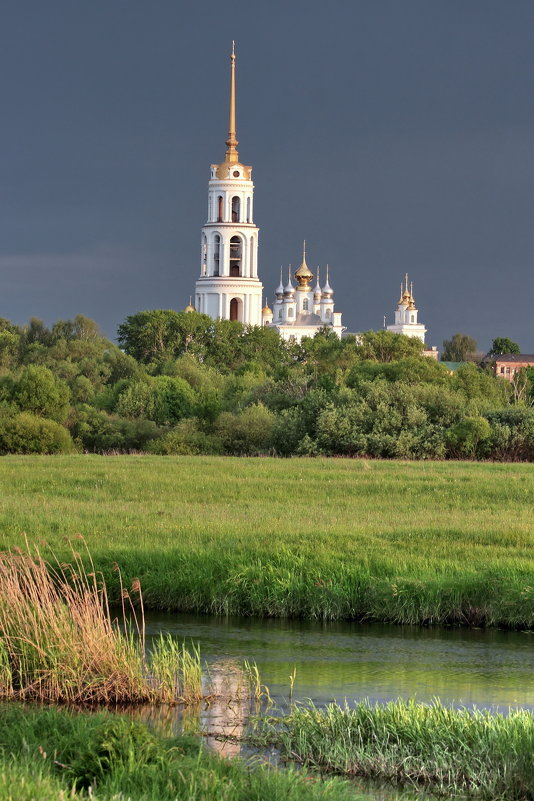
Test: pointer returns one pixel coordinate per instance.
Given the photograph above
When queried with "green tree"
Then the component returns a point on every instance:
(502, 345)
(459, 348)
(161, 334)
(385, 346)
(37, 390)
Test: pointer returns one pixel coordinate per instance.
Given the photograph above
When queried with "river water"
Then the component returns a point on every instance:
(341, 662)
(337, 661)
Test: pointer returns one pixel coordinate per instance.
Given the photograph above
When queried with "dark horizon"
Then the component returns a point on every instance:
(392, 137)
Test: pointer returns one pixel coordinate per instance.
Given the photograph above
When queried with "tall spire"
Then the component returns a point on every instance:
(231, 143)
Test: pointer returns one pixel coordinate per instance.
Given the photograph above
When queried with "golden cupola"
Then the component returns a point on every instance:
(406, 297)
(303, 275)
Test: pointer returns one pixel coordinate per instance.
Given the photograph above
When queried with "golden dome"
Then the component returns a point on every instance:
(189, 307)
(303, 275)
(266, 309)
(406, 297)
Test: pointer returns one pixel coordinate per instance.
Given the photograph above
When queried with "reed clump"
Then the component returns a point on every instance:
(449, 751)
(60, 642)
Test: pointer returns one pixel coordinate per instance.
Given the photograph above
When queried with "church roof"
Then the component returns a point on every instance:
(303, 319)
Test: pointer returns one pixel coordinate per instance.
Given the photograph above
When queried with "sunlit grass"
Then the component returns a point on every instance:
(446, 750)
(59, 641)
(324, 538)
(107, 757)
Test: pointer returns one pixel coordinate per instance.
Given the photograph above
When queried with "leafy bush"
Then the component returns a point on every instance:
(187, 439)
(27, 433)
(248, 432)
(512, 434)
(99, 432)
(162, 399)
(470, 438)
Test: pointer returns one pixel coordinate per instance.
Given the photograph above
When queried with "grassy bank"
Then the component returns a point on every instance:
(321, 538)
(50, 754)
(445, 750)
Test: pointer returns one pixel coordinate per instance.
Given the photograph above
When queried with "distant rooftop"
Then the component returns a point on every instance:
(453, 366)
(514, 357)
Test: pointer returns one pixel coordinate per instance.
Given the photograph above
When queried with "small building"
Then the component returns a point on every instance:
(507, 365)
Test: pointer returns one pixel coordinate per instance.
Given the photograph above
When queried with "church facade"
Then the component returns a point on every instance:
(406, 315)
(229, 287)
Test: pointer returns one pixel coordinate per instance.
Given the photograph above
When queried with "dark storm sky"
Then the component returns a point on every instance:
(393, 135)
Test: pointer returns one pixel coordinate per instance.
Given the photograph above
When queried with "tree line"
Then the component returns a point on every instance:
(182, 383)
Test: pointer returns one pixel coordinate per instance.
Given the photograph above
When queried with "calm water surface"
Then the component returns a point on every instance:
(337, 661)
(346, 661)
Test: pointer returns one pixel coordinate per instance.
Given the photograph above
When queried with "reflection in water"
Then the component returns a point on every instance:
(226, 713)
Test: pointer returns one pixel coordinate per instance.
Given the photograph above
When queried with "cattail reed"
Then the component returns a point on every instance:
(60, 642)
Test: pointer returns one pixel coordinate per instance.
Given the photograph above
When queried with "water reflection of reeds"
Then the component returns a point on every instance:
(221, 717)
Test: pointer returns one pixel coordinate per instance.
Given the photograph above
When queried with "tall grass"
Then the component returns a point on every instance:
(59, 641)
(446, 750)
(323, 539)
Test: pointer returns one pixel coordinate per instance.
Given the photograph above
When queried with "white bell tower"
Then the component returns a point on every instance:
(228, 286)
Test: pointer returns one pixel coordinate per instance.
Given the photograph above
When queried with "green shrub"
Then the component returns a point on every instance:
(99, 432)
(27, 433)
(470, 438)
(187, 440)
(512, 434)
(162, 399)
(246, 433)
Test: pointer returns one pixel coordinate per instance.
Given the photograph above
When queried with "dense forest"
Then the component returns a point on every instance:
(182, 383)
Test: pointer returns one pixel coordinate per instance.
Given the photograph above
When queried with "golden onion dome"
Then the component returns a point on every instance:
(303, 275)
(266, 310)
(189, 307)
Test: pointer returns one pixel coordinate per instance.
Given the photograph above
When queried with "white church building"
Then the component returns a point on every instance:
(229, 287)
(406, 315)
(302, 310)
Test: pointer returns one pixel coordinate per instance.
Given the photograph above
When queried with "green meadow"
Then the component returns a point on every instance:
(407, 542)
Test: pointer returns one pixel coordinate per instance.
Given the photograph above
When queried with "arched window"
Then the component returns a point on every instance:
(248, 210)
(234, 309)
(235, 256)
(280, 317)
(328, 313)
(204, 254)
(413, 318)
(220, 208)
(290, 312)
(216, 253)
(305, 304)
(236, 209)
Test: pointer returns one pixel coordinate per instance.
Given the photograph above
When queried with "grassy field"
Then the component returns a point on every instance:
(51, 754)
(319, 538)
